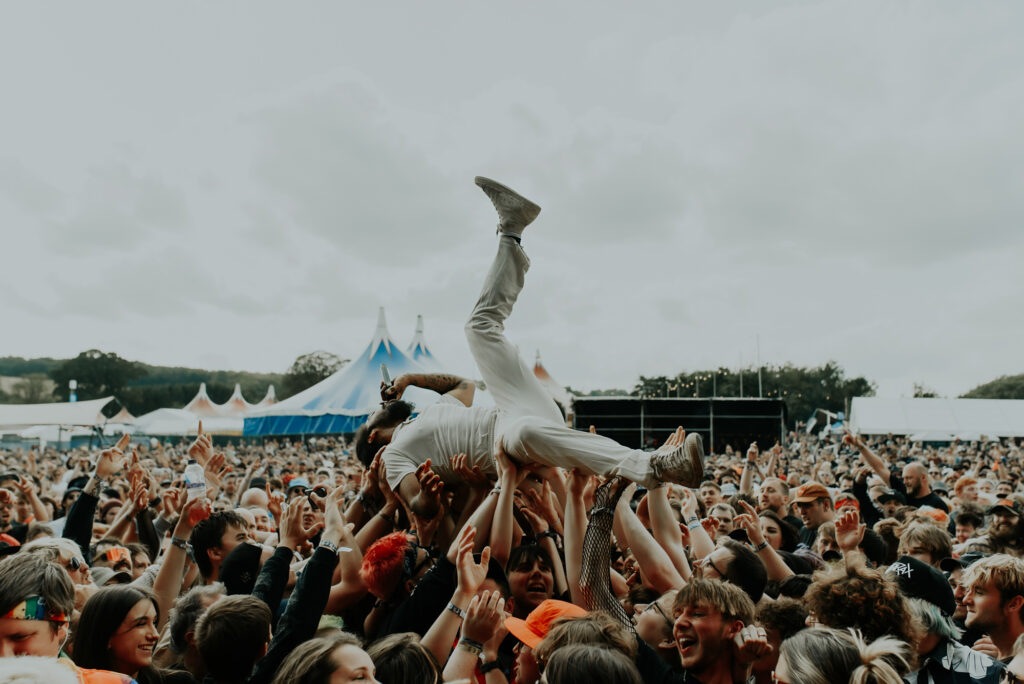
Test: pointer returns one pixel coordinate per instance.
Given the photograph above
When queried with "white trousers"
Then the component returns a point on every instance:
(529, 422)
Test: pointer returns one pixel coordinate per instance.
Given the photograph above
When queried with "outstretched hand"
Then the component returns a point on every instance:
(202, 448)
(849, 531)
(470, 573)
(114, 459)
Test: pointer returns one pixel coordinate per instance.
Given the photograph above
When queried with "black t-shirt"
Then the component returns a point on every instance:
(931, 499)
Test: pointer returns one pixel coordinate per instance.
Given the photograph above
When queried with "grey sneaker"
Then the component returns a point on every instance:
(683, 465)
(515, 212)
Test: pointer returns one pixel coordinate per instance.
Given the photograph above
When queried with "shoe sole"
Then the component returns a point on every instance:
(484, 183)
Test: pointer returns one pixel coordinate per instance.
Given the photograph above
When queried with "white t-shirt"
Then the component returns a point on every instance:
(439, 432)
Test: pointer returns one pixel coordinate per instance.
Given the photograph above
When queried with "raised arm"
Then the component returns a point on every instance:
(870, 457)
(439, 638)
(773, 563)
(655, 564)
(665, 527)
(78, 526)
(424, 502)
(460, 388)
(749, 466)
(574, 529)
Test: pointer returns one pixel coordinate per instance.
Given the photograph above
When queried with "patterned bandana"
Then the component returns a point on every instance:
(34, 608)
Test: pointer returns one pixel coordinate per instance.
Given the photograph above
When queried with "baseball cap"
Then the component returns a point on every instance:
(1010, 506)
(239, 570)
(891, 495)
(811, 492)
(917, 579)
(965, 561)
(846, 499)
(103, 576)
(298, 482)
(535, 627)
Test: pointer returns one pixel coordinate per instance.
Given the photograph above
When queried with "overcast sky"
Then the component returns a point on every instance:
(231, 185)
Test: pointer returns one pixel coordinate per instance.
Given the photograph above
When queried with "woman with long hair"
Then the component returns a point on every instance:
(335, 659)
(117, 631)
(825, 656)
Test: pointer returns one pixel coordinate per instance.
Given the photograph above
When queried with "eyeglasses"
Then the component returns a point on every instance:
(706, 561)
(653, 605)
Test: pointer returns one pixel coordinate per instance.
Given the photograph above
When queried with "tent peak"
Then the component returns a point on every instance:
(382, 336)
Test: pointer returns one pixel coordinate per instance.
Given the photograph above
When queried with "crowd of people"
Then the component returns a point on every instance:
(496, 545)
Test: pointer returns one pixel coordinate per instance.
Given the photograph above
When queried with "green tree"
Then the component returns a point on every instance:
(1005, 387)
(309, 369)
(923, 392)
(803, 389)
(98, 374)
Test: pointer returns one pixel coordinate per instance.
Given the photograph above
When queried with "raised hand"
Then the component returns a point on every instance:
(509, 472)
(750, 522)
(202, 448)
(752, 453)
(275, 503)
(750, 644)
(471, 475)
(113, 460)
(215, 470)
(485, 613)
(710, 526)
(431, 485)
(849, 530)
(470, 573)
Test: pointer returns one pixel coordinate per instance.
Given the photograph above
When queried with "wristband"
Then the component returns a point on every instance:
(329, 545)
(97, 488)
(455, 609)
(551, 534)
(490, 665)
(693, 524)
(180, 543)
(471, 645)
(761, 547)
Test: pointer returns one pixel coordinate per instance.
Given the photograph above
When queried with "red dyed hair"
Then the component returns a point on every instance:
(382, 564)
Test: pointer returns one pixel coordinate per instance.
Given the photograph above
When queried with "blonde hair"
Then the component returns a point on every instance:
(1003, 570)
(824, 655)
(934, 539)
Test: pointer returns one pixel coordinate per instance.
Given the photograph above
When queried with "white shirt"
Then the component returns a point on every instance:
(439, 432)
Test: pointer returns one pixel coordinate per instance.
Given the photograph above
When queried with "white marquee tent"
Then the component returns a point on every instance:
(938, 419)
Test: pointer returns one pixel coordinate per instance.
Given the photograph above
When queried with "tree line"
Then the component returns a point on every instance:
(142, 388)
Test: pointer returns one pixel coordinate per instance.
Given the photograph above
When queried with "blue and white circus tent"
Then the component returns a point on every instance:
(342, 402)
(420, 352)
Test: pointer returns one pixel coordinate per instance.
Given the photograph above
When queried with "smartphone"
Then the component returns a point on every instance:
(385, 381)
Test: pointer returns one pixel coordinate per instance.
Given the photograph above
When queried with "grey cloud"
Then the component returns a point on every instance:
(349, 175)
(119, 210)
(26, 190)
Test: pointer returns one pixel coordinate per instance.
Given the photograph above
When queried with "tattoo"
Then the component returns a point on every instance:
(438, 382)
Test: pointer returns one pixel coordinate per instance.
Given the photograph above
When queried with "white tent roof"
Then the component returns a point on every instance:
(964, 418)
(179, 422)
(236, 405)
(201, 404)
(15, 416)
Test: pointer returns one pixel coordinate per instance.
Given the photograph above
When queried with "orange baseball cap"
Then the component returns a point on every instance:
(811, 492)
(535, 627)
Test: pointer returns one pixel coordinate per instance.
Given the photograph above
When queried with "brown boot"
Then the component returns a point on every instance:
(682, 465)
